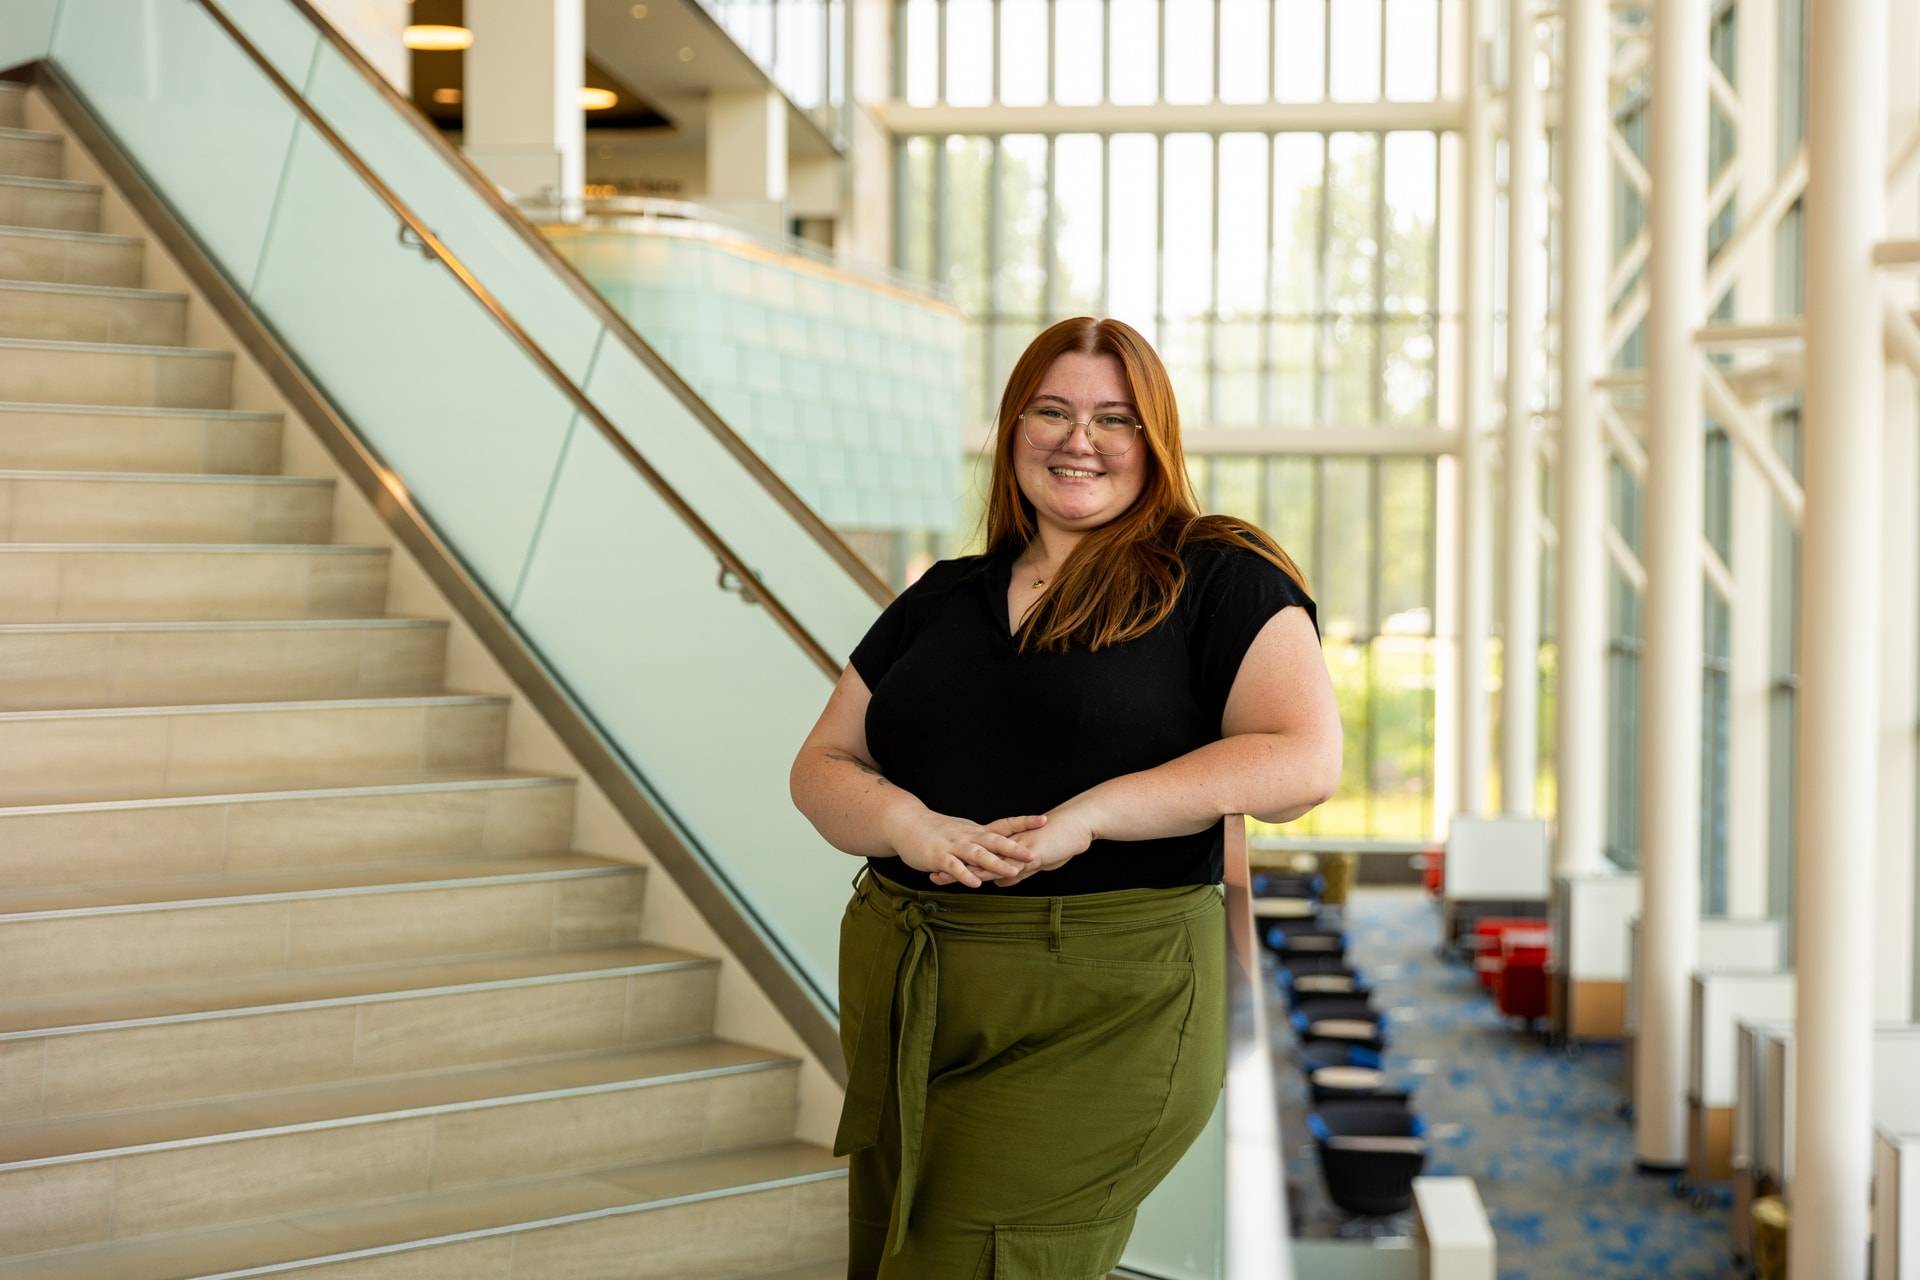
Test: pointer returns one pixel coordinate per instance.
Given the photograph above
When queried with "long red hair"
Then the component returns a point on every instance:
(1122, 579)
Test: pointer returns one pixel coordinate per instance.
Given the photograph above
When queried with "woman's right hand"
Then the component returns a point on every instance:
(970, 852)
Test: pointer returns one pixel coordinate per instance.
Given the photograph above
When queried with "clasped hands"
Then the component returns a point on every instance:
(1006, 851)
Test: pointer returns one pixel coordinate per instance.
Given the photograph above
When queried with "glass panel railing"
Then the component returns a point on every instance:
(795, 553)
(607, 576)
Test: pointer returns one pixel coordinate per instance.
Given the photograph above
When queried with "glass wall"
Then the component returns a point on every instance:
(801, 44)
(1289, 280)
(1142, 51)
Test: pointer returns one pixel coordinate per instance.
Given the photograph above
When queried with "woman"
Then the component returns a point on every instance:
(1034, 750)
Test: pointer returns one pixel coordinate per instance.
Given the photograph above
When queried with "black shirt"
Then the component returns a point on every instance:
(977, 730)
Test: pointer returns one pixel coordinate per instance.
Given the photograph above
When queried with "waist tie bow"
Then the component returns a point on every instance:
(909, 970)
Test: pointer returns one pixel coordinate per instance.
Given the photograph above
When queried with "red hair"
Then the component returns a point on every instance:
(1122, 578)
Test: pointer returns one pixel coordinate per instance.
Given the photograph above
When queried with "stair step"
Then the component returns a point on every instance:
(56, 437)
(247, 1158)
(132, 582)
(77, 941)
(702, 1217)
(92, 313)
(118, 664)
(105, 897)
(168, 1044)
(31, 153)
(70, 257)
(120, 506)
(369, 1102)
(128, 752)
(91, 373)
(13, 105)
(53, 203)
(407, 814)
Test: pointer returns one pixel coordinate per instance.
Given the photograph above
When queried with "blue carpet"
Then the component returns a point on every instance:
(1535, 1129)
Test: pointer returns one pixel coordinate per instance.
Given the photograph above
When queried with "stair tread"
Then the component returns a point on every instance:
(491, 1209)
(61, 233)
(20, 133)
(91, 290)
(411, 979)
(137, 410)
(271, 548)
(308, 782)
(438, 698)
(224, 624)
(116, 348)
(63, 184)
(167, 477)
(364, 1100)
(371, 876)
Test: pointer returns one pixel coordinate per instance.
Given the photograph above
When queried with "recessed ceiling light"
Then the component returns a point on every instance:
(429, 36)
(592, 99)
(446, 97)
(686, 54)
(639, 11)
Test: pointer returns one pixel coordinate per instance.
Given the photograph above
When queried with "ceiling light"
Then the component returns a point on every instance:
(592, 99)
(686, 54)
(427, 36)
(639, 11)
(447, 97)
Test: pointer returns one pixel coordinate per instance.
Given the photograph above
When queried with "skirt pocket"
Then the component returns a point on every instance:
(1061, 1251)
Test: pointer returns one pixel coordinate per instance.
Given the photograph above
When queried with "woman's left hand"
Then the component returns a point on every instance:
(1065, 835)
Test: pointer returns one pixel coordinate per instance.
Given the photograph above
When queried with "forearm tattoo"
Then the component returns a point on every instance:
(856, 762)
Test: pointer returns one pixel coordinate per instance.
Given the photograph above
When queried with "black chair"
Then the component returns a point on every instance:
(1288, 884)
(1354, 1084)
(1356, 1033)
(1315, 1007)
(1313, 1055)
(1311, 942)
(1370, 1151)
(1304, 965)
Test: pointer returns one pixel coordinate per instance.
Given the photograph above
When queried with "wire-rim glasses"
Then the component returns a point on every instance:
(1110, 434)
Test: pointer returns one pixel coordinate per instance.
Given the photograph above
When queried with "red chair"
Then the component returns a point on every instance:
(1485, 943)
(1520, 988)
(1433, 865)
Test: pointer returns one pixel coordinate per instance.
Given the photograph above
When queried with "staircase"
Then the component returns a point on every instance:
(296, 973)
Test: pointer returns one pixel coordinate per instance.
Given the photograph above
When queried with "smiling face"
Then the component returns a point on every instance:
(1081, 386)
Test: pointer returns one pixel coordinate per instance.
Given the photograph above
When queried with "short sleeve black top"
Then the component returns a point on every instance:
(977, 730)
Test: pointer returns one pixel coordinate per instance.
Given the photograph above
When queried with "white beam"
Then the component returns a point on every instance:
(1173, 117)
(1837, 767)
(1519, 684)
(1580, 726)
(1623, 558)
(1670, 666)
(1475, 508)
(1748, 436)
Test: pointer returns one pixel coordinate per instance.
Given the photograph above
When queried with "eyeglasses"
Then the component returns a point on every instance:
(1110, 434)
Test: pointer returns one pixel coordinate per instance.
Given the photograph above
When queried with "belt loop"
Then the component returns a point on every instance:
(1053, 923)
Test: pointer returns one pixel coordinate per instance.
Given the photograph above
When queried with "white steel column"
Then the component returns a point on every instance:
(1750, 649)
(1580, 728)
(1899, 580)
(1520, 646)
(1476, 344)
(1838, 768)
(1670, 676)
(523, 124)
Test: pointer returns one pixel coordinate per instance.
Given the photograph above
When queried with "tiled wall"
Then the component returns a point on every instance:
(851, 391)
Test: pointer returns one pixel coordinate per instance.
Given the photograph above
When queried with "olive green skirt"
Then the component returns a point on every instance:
(1022, 1072)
